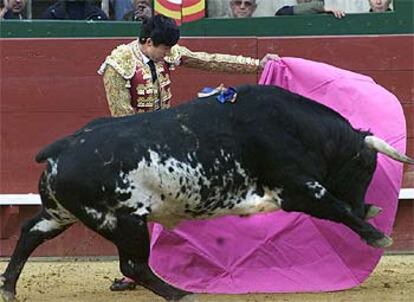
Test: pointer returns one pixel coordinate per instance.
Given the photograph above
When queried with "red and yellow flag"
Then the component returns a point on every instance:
(181, 10)
(193, 10)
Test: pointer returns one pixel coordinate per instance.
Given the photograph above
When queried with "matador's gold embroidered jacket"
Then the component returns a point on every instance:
(128, 82)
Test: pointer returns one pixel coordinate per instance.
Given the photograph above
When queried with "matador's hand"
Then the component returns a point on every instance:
(267, 57)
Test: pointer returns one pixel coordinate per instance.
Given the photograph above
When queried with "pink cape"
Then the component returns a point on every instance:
(292, 252)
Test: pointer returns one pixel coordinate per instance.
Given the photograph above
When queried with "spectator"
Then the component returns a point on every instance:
(142, 9)
(13, 9)
(120, 8)
(74, 10)
(242, 8)
(379, 6)
(309, 7)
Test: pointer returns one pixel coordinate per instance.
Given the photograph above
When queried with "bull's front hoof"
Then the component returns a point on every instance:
(7, 296)
(383, 242)
(372, 212)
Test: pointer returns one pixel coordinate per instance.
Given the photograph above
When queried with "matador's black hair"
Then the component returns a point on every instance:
(161, 30)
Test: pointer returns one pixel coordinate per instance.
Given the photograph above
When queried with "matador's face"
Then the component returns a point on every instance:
(156, 53)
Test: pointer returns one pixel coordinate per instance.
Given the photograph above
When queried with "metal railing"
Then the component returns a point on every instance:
(34, 199)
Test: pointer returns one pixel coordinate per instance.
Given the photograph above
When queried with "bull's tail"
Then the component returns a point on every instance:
(382, 147)
(52, 150)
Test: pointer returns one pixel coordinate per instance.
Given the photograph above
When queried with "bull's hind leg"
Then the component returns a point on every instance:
(36, 231)
(132, 239)
(312, 198)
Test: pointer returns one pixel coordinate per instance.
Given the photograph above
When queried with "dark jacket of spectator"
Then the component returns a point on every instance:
(13, 16)
(309, 7)
(312, 7)
(74, 10)
(120, 8)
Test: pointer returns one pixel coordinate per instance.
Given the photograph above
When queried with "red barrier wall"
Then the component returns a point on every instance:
(49, 88)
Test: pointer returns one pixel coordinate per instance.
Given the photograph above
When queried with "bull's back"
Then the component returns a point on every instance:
(264, 120)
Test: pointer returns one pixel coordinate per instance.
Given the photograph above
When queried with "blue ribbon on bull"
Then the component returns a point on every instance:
(224, 94)
(227, 95)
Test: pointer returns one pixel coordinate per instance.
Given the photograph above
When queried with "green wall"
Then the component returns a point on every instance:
(399, 21)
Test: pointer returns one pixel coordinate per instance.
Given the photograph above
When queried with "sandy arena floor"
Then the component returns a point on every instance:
(88, 281)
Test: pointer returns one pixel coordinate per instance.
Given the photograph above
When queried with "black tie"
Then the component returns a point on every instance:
(151, 64)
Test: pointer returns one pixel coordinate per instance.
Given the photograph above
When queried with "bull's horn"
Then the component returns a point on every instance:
(382, 147)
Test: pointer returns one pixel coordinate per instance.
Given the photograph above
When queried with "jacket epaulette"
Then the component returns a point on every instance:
(122, 59)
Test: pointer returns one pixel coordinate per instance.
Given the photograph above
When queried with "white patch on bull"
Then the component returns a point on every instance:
(93, 213)
(109, 222)
(131, 264)
(142, 211)
(110, 161)
(317, 188)
(254, 203)
(188, 131)
(169, 195)
(53, 167)
(124, 180)
(58, 213)
(109, 219)
(2, 281)
(126, 190)
(45, 226)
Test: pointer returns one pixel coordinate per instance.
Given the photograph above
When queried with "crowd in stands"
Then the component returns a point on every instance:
(136, 10)
(265, 8)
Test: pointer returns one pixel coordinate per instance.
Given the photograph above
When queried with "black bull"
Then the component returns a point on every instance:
(271, 149)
